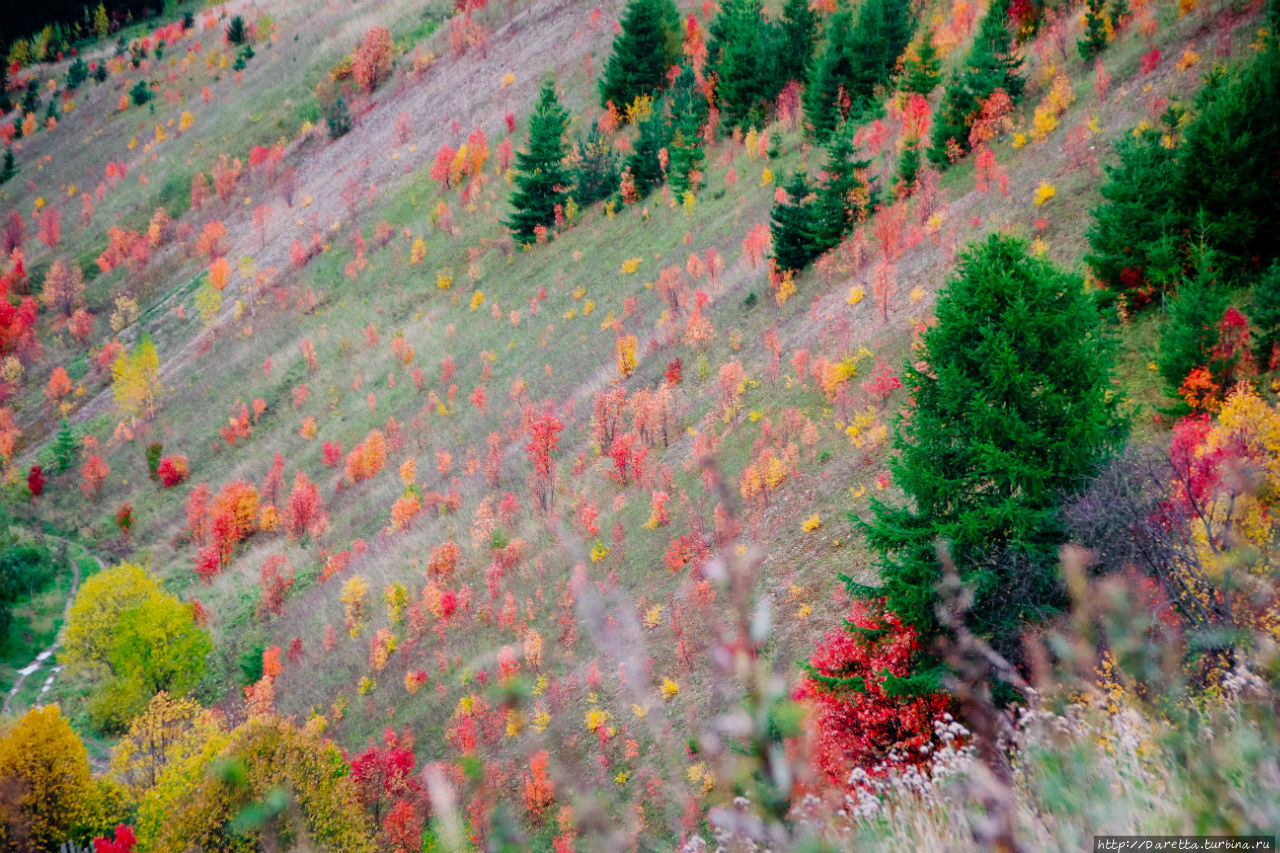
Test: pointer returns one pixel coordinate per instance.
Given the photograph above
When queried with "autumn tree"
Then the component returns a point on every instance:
(289, 784)
(541, 176)
(124, 631)
(544, 440)
(45, 786)
(372, 62)
(135, 381)
(1014, 408)
(648, 45)
(63, 287)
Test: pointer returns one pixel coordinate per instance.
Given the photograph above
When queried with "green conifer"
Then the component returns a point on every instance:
(541, 175)
(647, 46)
(1014, 408)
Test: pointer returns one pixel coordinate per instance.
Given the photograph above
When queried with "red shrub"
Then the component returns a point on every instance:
(854, 721)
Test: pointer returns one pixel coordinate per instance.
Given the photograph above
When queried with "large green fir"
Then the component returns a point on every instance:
(647, 47)
(541, 176)
(1013, 409)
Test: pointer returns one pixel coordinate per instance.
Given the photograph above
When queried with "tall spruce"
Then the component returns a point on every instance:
(688, 108)
(739, 57)
(647, 46)
(791, 225)
(991, 64)
(854, 60)
(541, 175)
(653, 134)
(797, 35)
(1095, 29)
(1013, 410)
(922, 67)
(845, 195)
(594, 164)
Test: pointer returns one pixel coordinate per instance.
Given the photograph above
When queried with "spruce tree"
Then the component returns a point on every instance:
(920, 74)
(1095, 29)
(595, 168)
(688, 108)
(64, 447)
(647, 46)
(797, 34)
(739, 57)
(1264, 316)
(541, 176)
(791, 225)
(855, 59)
(989, 65)
(5, 103)
(832, 66)
(844, 193)
(1013, 410)
(653, 135)
(1138, 214)
(1227, 159)
(1191, 329)
(7, 168)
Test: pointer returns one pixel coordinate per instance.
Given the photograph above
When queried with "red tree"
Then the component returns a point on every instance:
(855, 721)
(544, 440)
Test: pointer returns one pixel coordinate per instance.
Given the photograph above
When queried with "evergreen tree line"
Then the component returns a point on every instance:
(1189, 184)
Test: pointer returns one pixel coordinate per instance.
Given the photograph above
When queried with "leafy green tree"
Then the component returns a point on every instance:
(792, 223)
(594, 166)
(1014, 409)
(991, 64)
(648, 45)
(541, 175)
(25, 570)
(124, 631)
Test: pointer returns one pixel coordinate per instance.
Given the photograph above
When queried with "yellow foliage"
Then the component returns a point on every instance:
(45, 769)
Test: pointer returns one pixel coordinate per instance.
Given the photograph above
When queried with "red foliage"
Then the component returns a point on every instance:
(384, 775)
(332, 453)
(122, 843)
(35, 481)
(172, 470)
(304, 513)
(544, 440)
(1150, 60)
(275, 585)
(49, 229)
(93, 474)
(672, 373)
(861, 727)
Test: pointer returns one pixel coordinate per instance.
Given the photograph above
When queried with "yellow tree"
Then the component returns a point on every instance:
(135, 381)
(45, 787)
(291, 785)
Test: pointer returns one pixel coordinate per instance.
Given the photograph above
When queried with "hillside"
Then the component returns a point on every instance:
(531, 540)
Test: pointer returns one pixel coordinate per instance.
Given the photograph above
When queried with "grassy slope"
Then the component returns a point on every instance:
(557, 357)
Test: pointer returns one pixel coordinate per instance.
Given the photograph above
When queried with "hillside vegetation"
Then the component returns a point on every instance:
(547, 426)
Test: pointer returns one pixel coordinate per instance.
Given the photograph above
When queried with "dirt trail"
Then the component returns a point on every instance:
(36, 665)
